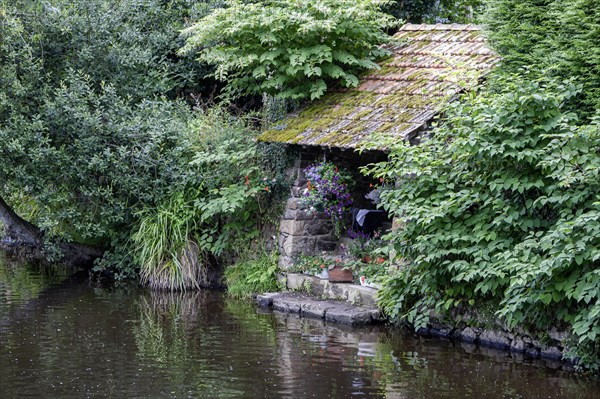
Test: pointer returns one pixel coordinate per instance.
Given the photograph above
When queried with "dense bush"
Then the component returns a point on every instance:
(131, 44)
(84, 139)
(231, 197)
(435, 11)
(91, 153)
(553, 38)
(87, 158)
(501, 205)
(292, 49)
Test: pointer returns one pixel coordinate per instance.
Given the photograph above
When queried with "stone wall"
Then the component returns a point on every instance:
(518, 341)
(302, 232)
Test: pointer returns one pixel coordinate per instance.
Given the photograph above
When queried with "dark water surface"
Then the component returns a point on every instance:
(74, 341)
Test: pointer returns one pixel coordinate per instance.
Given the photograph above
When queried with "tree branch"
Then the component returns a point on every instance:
(17, 229)
(19, 232)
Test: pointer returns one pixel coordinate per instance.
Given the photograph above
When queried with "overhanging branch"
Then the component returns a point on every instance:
(19, 232)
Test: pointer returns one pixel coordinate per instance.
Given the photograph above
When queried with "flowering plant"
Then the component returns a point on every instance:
(367, 255)
(327, 190)
(374, 194)
(312, 264)
(363, 244)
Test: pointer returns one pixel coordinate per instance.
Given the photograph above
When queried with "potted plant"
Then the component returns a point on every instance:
(312, 265)
(364, 247)
(367, 256)
(341, 272)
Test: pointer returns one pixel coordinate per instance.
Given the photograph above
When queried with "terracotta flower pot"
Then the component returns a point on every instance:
(339, 275)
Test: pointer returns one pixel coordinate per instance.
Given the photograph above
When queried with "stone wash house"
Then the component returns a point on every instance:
(429, 66)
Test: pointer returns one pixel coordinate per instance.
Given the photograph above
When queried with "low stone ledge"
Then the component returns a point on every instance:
(331, 311)
(266, 300)
(499, 339)
(469, 335)
(352, 293)
(495, 339)
(287, 304)
(352, 316)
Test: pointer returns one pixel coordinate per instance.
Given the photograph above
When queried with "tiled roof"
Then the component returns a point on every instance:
(429, 65)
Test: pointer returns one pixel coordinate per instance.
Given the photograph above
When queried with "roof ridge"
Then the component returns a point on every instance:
(440, 27)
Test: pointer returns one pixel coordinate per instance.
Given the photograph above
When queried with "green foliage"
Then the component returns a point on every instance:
(291, 49)
(110, 41)
(241, 188)
(501, 205)
(231, 191)
(87, 158)
(256, 274)
(80, 142)
(435, 11)
(552, 38)
(91, 154)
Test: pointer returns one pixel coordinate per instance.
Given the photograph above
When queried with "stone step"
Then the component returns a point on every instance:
(352, 293)
(330, 311)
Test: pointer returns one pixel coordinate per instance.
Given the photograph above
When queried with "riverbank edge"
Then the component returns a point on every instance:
(338, 312)
(467, 327)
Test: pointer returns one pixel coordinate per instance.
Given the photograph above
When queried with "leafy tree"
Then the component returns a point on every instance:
(294, 48)
(86, 159)
(129, 43)
(501, 205)
(435, 11)
(553, 38)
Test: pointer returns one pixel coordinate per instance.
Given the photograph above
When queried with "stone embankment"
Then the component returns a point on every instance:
(552, 346)
(353, 304)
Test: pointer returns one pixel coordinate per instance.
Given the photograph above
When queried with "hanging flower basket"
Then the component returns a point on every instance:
(328, 191)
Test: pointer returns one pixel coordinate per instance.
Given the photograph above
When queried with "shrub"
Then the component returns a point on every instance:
(165, 246)
(552, 38)
(227, 195)
(129, 43)
(255, 274)
(87, 159)
(292, 49)
(84, 140)
(501, 205)
(91, 154)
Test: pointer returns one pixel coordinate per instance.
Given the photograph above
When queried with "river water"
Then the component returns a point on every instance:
(67, 339)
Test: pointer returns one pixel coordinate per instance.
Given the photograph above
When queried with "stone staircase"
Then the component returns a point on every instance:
(318, 298)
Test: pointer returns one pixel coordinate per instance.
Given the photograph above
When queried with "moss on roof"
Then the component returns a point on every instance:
(429, 65)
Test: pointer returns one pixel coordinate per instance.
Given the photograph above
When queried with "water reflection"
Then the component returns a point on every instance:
(21, 281)
(74, 340)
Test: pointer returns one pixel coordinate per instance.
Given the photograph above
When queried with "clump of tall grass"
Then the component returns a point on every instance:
(164, 246)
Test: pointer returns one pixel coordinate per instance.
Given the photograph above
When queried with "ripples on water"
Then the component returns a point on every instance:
(73, 341)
